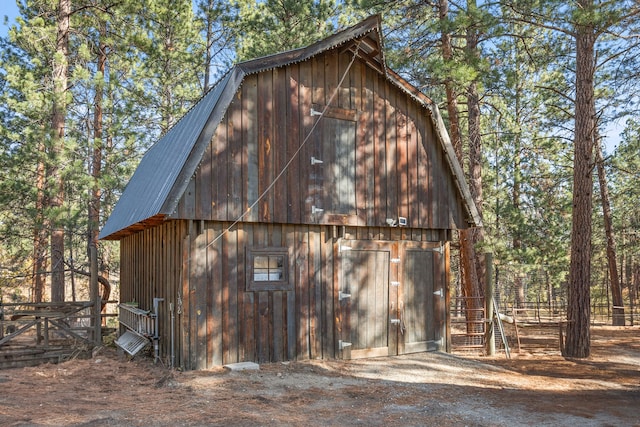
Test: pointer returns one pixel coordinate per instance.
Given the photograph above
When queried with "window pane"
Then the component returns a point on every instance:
(275, 267)
(275, 261)
(261, 268)
(261, 261)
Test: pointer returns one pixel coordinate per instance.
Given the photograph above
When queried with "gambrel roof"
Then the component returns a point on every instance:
(166, 169)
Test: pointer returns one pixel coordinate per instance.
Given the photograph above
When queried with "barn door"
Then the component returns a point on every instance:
(365, 303)
(422, 300)
(332, 170)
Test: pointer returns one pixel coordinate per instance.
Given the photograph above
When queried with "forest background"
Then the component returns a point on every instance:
(540, 97)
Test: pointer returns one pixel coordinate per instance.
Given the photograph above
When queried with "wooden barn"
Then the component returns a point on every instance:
(302, 209)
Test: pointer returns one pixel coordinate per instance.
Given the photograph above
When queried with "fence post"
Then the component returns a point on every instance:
(490, 342)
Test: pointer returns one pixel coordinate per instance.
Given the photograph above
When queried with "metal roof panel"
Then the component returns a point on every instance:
(155, 176)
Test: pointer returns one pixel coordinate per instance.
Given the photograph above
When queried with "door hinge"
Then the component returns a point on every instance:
(439, 249)
(315, 161)
(342, 295)
(343, 344)
(315, 210)
(439, 293)
(395, 260)
(395, 283)
(395, 321)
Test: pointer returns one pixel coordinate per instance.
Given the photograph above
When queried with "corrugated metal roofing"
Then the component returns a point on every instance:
(154, 178)
(165, 170)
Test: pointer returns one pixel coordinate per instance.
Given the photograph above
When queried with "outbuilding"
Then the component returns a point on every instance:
(302, 209)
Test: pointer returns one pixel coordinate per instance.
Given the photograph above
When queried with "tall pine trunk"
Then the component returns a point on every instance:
(40, 234)
(475, 156)
(208, 43)
(616, 292)
(452, 96)
(96, 158)
(516, 191)
(469, 277)
(577, 342)
(54, 174)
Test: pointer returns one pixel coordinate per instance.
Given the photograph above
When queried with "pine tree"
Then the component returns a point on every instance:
(214, 19)
(583, 25)
(271, 26)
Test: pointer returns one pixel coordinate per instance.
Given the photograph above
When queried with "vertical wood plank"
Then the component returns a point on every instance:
(274, 235)
(235, 183)
(280, 87)
(391, 143)
(305, 102)
(263, 327)
(278, 327)
(249, 321)
(249, 139)
(242, 231)
(230, 304)
(291, 325)
(203, 185)
(331, 78)
(402, 159)
(192, 297)
(248, 332)
(200, 295)
(293, 295)
(435, 175)
(328, 294)
(185, 303)
(413, 167)
(302, 291)
(315, 293)
(214, 296)
(367, 130)
(265, 140)
(220, 157)
(293, 138)
(354, 88)
(423, 183)
(380, 154)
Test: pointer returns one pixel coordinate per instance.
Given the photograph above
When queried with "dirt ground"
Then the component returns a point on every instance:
(535, 387)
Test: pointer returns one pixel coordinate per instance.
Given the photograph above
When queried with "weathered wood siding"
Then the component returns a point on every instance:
(400, 168)
(201, 274)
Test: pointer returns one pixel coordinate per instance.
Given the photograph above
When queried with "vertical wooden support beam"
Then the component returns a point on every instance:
(447, 294)
(490, 343)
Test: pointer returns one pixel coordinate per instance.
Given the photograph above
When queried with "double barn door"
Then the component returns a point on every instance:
(390, 298)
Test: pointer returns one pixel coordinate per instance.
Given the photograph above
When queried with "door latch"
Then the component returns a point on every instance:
(342, 295)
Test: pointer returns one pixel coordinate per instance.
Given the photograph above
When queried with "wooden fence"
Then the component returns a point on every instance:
(33, 333)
